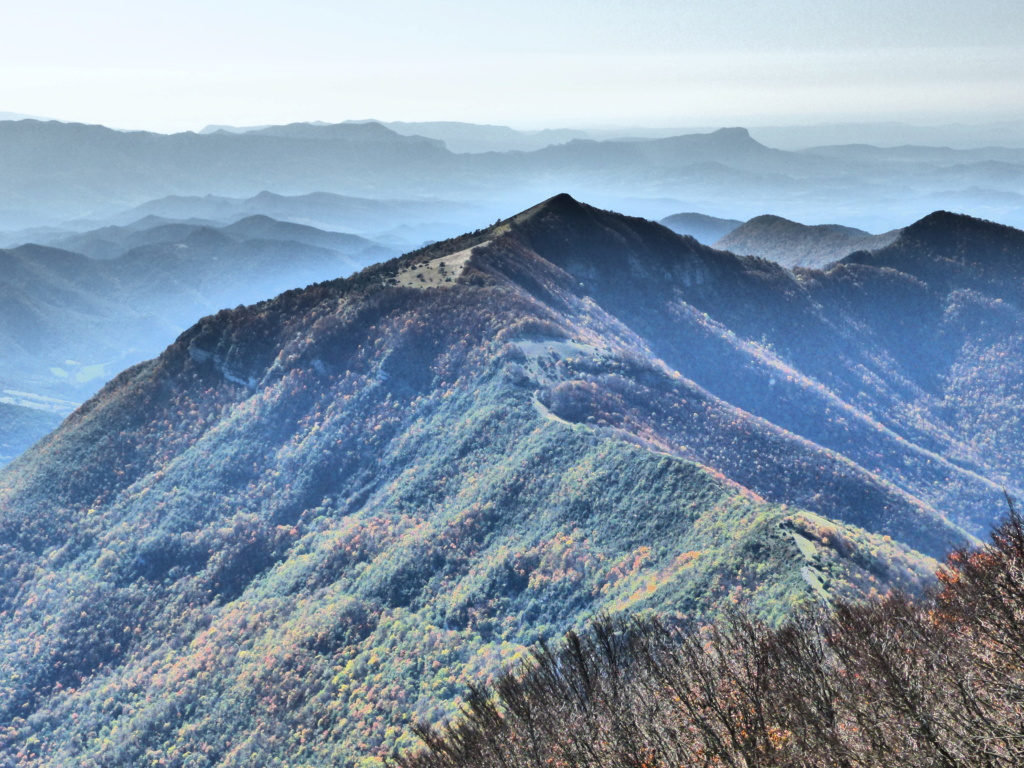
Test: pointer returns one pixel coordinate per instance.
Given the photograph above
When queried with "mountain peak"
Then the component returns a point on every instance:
(598, 247)
(793, 244)
(561, 204)
(371, 492)
(953, 235)
(944, 246)
(947, 221)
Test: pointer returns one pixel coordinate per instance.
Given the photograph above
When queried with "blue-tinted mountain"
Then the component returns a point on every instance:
(470, 137)
(70, 320)
(798, 245)
(56, 172)
(383, 220)
(110, 242)
(72, 170)
(704, 229)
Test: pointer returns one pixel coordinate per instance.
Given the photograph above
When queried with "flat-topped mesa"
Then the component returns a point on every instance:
(732, 138)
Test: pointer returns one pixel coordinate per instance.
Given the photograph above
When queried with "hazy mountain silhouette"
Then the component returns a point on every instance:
(67, 170)
(109, 242)
(470, 137)
(798, 245)
(55, 172)
(69, 321)
(704, 229)
(457, 137)
(893, 134)
(389, 220)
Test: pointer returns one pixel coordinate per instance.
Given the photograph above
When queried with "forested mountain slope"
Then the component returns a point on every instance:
(892, 682)
(315, 518)
(798, 245)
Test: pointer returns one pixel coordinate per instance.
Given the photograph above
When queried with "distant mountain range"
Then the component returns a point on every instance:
(1007, 133)
(457, 137)
(313, 520)
(54, 172)
(110, 242)
(470, 137)
(407, 222)
(76, 312)
(785, 242)
(65, 171)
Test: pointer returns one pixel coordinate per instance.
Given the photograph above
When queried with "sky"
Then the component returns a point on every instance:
(172, 66)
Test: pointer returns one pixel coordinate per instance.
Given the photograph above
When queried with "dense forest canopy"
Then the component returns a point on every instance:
(894, 682)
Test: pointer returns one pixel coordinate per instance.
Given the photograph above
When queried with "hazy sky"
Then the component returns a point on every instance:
(181, 65)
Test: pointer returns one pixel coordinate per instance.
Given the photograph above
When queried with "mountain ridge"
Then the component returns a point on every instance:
(57, 172)
(316, 517)
(705, 229)
(798, 245)
(73, 316)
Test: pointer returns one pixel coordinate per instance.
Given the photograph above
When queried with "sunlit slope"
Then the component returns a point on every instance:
(315, 518)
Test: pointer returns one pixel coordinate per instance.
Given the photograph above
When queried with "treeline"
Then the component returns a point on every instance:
(894, 682)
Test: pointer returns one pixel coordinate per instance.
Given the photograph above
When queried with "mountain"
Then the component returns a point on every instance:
(110, 242)
(70, 170)
(18, 116)
(911, 673)
(70, 320)
(798, 245)
(473, 138)
(54, 173)
(704, 229)
(314, 519)
(20, 426)
(457, 137)
(413, 221)
(893, 134)
(730, 147)
(940, 159)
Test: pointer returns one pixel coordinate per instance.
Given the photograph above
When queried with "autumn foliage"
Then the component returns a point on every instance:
(893, 682)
